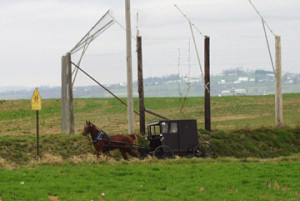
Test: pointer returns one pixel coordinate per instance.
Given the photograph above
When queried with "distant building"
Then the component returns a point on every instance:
(237, 82)
(234, 92)
(226, 93)
(240, 92)
(222, 82)
(243, 79)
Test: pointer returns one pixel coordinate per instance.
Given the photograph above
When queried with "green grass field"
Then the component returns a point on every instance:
(182, 179)
(228, 113)
(19, 150)
(256, 161)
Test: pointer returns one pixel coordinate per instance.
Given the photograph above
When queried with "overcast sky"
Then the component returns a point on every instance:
(35, 34)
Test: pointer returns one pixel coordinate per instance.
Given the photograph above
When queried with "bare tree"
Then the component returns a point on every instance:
(184, 94)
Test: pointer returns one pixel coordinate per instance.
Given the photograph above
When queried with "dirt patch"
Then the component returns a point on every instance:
(4, 164)
(238, 117)
(50, 159)
(79, 103)
(53, 198)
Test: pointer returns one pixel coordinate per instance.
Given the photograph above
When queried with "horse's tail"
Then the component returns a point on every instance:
(133, 138)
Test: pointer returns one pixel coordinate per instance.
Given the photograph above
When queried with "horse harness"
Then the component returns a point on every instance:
(100, 136)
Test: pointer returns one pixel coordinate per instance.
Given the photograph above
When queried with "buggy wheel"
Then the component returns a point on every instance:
(204, 150)
(163, 152)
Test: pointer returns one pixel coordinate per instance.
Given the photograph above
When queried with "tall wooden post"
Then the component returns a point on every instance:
(129, 69)
(67, 113)
(278, 76)
(64, 86)
(141, 85)
(207, 84)
(70, 128)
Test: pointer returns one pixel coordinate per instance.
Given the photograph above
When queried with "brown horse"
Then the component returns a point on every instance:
(105, 143)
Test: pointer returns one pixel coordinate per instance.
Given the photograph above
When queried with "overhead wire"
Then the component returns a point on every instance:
(118, 23)
(264, 24)
(268, 45)
(90, 37)
(188, 19)
(194, 41)
(262, 18)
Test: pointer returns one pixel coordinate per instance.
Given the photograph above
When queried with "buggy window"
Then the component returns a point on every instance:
(164, 127)
(173, 127)
(154, 130)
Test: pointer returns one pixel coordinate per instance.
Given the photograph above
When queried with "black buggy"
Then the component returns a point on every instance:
(168, 138)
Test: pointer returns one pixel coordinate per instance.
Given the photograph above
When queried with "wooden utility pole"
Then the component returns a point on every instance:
(207, 84)
(129, 69)
(64, 84)
(278, 76)
(67, 115)
(70, 128)
(141, 85)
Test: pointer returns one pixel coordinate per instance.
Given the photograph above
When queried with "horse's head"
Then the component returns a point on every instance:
(87, 128)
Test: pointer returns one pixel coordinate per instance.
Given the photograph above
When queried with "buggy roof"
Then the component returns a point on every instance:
(173, 120)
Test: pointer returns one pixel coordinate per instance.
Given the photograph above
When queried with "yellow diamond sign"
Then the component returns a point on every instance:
(36, 101)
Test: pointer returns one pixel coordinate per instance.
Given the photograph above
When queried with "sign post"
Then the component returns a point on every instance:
(36, 104)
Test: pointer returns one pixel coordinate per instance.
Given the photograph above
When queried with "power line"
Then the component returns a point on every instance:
(185, 16)
(264, 21)
(194, 40)
(268, 45)
(120, 24)
(264, 24)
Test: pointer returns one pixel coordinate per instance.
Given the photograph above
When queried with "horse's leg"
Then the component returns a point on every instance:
(98, 154)
(108, 155)
(99, 149)
(132, 153)
(124, 155)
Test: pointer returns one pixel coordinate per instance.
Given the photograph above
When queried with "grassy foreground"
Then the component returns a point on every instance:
(243, 127)
(259, 143)
(181, 179)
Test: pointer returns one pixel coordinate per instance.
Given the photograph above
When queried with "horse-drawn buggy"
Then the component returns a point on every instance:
(176, 137)
(166, 138)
